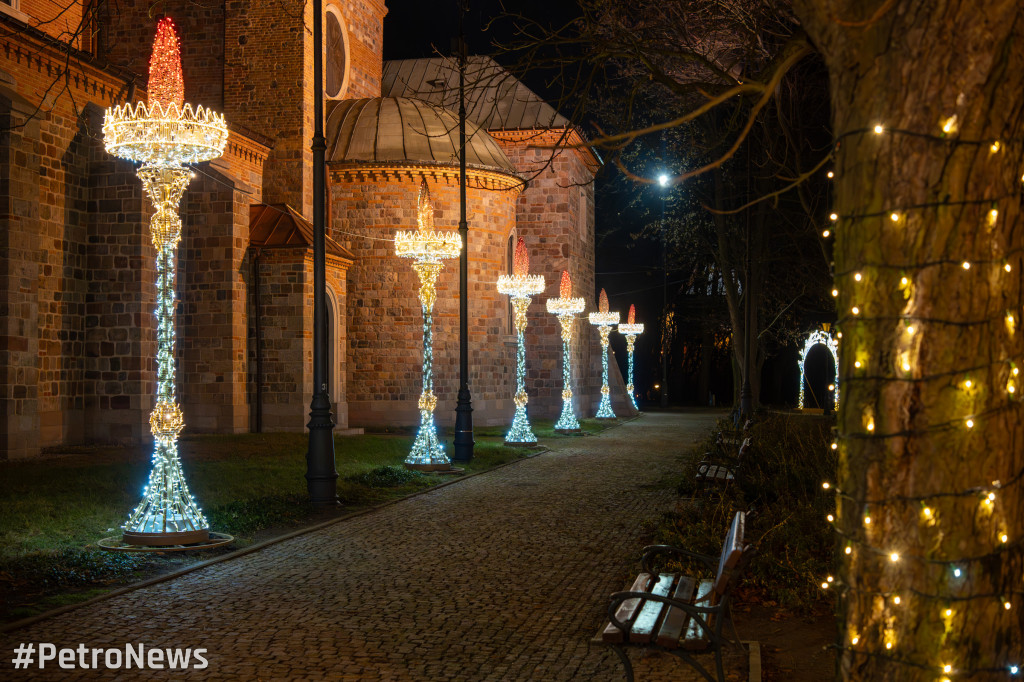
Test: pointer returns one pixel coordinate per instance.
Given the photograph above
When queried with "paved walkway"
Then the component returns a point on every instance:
(504, 576)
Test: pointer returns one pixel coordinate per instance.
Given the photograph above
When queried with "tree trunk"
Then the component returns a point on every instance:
(920, 448)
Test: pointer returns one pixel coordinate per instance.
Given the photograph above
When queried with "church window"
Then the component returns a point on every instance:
(336, 58)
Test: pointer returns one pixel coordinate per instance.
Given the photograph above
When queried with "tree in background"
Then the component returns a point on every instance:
(721, 96)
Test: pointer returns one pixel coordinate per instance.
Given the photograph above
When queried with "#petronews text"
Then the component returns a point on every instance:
(137, 656)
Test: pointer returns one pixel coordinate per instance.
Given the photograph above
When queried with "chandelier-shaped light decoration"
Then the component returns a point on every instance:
(162, 134)
(604, 321)
(520, 286)
(429, 248)
(631, 330)
(566, 308)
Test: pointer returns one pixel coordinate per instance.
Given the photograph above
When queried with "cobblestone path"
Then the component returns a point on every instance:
(502, 576)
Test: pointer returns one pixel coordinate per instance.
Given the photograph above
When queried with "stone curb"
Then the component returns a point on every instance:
(25, 622)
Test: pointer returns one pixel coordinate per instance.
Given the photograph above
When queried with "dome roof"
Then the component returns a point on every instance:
(406, 131)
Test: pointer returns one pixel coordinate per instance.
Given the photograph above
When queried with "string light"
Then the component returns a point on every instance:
(428, 248)
(520, 286)
(631, 330)
(878, 130)
(895, 217)
(824, 338)
(163, 134)
(604, 320)
(833, 217)
(566, 308)
(830, 175)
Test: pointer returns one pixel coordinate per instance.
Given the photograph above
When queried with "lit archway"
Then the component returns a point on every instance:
(825, 339)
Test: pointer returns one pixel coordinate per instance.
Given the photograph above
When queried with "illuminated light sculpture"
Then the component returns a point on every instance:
(429, 248)
(520, 286)
(604, 321)
(163, 134)
(566, 308)
(631, 330)
(826, 339)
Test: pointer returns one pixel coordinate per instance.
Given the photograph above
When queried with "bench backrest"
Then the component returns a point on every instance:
(732, 550)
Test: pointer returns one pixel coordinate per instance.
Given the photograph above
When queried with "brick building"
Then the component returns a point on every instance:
(77, 292)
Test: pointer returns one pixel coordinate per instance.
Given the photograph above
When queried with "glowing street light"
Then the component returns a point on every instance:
(604, 321)
(163, 134)
(520, 285)
(631, 330)
(566, 308)
(429, 248)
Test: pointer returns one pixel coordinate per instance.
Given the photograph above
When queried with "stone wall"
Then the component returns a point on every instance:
(384, 315)
(285, 376)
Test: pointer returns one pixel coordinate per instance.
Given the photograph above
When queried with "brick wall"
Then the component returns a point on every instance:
(212, 313)
(384, 315)
(286, 338)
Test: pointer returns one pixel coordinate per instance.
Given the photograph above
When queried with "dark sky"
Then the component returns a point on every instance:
(414, 28)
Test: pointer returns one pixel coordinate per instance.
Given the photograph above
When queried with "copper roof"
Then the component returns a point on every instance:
(280, 226)
(495, 98)
(399, 130)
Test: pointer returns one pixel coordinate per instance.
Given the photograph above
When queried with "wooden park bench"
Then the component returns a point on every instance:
(721, 469)
(674, 613)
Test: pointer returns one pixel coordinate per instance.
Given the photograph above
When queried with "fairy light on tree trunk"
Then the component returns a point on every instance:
(604, 321)
(566, 308)
(631, 330)
(520, 286)
(163, 134)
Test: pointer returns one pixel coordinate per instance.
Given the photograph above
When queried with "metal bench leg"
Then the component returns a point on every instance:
(625, 662)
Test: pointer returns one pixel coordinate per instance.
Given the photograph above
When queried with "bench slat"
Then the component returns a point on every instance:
(695, 636)
(643, 627)
(675, 618)
(626, 611)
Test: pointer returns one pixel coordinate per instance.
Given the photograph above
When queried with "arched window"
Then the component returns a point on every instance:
(336, 59)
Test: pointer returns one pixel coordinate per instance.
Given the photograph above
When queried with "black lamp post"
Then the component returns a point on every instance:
(663, 182)
(463, 446)
(321, 476)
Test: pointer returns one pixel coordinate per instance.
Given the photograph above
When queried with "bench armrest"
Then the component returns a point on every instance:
(653, 551)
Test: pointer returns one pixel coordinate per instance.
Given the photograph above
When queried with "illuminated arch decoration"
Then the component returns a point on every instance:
(604, 321)
(520, 286)
(631, 330)
(429, 248)
(824, 338)
(566, 308)
(162, 134)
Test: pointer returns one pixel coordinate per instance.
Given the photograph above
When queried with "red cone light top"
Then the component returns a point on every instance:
(166, 85)
(565, 287)
(631, 318)
(521, 263)
(603, 303)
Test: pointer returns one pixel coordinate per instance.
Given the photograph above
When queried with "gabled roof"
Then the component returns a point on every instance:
(281, 226)
(495, 98)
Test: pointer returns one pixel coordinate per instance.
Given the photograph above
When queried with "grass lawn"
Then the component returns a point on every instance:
(54, 509)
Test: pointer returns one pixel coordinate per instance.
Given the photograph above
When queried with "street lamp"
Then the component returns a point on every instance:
(663, 182)
(321, 474)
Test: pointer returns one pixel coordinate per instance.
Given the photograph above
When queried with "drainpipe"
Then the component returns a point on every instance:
(259, 340)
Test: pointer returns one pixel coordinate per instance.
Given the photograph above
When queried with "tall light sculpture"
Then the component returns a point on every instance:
(604, 321)
(824, 338)
(520, 286)
(631, 330)
(429, 248)
(566, 308)
(163, 134)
